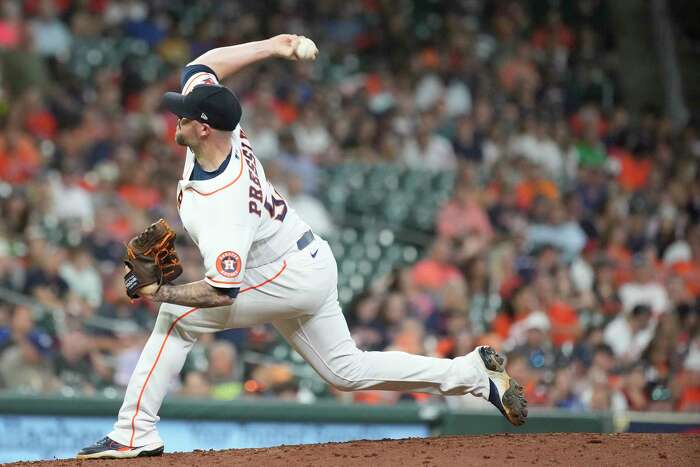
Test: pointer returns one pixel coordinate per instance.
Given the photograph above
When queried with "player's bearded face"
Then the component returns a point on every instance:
(184, 132)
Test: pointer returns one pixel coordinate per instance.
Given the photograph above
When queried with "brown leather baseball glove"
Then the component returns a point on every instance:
(151, 258)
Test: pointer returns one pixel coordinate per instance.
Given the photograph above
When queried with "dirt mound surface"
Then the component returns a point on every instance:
(493, 450)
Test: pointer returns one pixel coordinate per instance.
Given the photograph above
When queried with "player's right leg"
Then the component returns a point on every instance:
(162, 359)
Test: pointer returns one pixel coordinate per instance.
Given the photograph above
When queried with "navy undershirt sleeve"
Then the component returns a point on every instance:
(191, 70)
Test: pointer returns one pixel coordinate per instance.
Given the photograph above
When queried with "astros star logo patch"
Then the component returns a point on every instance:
(228, 264)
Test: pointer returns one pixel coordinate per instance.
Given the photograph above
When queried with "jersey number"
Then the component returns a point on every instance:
(276, 206)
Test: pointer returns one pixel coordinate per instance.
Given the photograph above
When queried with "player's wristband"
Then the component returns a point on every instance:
(132, 284)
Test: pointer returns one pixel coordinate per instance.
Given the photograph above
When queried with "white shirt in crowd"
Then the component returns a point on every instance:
(311, 139)
(51, 37)
(438, 155)
(618, 403)
(85, 282)
(312, 211)
(541, 151)
(428, 91)
(652, 294)
(582, 275)
(431, 90)
(265, 142)
(692, 360)
(618, 335)
(71, 202)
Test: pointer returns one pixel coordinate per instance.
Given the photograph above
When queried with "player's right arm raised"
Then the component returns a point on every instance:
(226, 61)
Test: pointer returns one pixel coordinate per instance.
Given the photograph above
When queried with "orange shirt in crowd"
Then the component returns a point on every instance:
(121, 229)
(42, 124)
(564, 322)
(527, 191)
(432, 274)
(620, 255)
(517, 70)
(634, 173)
(576, 123)
(429, 58)
(624, 273)
(142, 197)
(503, 322)
(501, 325)
(19, 161)
(562, 36)
(445, 346)
(689, 271)
(690, 400)
(373, 84)
(286, 112)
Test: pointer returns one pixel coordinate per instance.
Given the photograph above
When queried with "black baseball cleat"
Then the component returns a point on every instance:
(506, 394)
(107, 448)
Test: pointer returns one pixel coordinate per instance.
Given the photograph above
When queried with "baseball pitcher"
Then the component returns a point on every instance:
(263, 265)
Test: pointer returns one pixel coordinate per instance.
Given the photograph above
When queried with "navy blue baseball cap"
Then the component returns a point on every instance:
(212, 104)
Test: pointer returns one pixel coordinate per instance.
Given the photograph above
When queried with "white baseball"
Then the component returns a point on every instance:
(306, 49)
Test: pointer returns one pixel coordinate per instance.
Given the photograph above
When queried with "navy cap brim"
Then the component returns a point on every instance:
(177, 104)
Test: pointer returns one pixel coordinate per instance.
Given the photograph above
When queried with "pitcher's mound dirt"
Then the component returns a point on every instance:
(493, 450)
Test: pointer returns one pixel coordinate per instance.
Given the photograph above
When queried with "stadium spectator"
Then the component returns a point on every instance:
(630, 333)
(464, 215)
(434, 272)
(634, 389)
(49, 34)
(562, 394)
(26, 366)
(468, 142)
(196, 385)
(531, 339)
(309, 208)
(19, 156)
(82, 278)
(644, 288)
(428, 150)
(78, 367)
(222, 371)
(557, 229)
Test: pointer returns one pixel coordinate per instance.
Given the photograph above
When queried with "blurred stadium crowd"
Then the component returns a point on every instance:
(516, 202)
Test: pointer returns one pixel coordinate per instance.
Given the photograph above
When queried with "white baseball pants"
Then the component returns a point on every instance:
(298, 295)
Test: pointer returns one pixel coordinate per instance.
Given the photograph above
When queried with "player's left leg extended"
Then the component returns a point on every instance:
(323, 339)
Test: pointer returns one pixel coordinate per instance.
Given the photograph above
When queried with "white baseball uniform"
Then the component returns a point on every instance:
(252, 240)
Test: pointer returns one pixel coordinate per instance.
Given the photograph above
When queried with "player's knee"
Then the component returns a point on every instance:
(341, 383)
(346, 372)
(342, 387)
(346, 386)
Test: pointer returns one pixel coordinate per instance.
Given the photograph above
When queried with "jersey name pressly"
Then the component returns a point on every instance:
(237, 219)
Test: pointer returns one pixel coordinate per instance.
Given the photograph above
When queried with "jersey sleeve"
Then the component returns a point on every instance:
(193, 75)
(226, 239)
